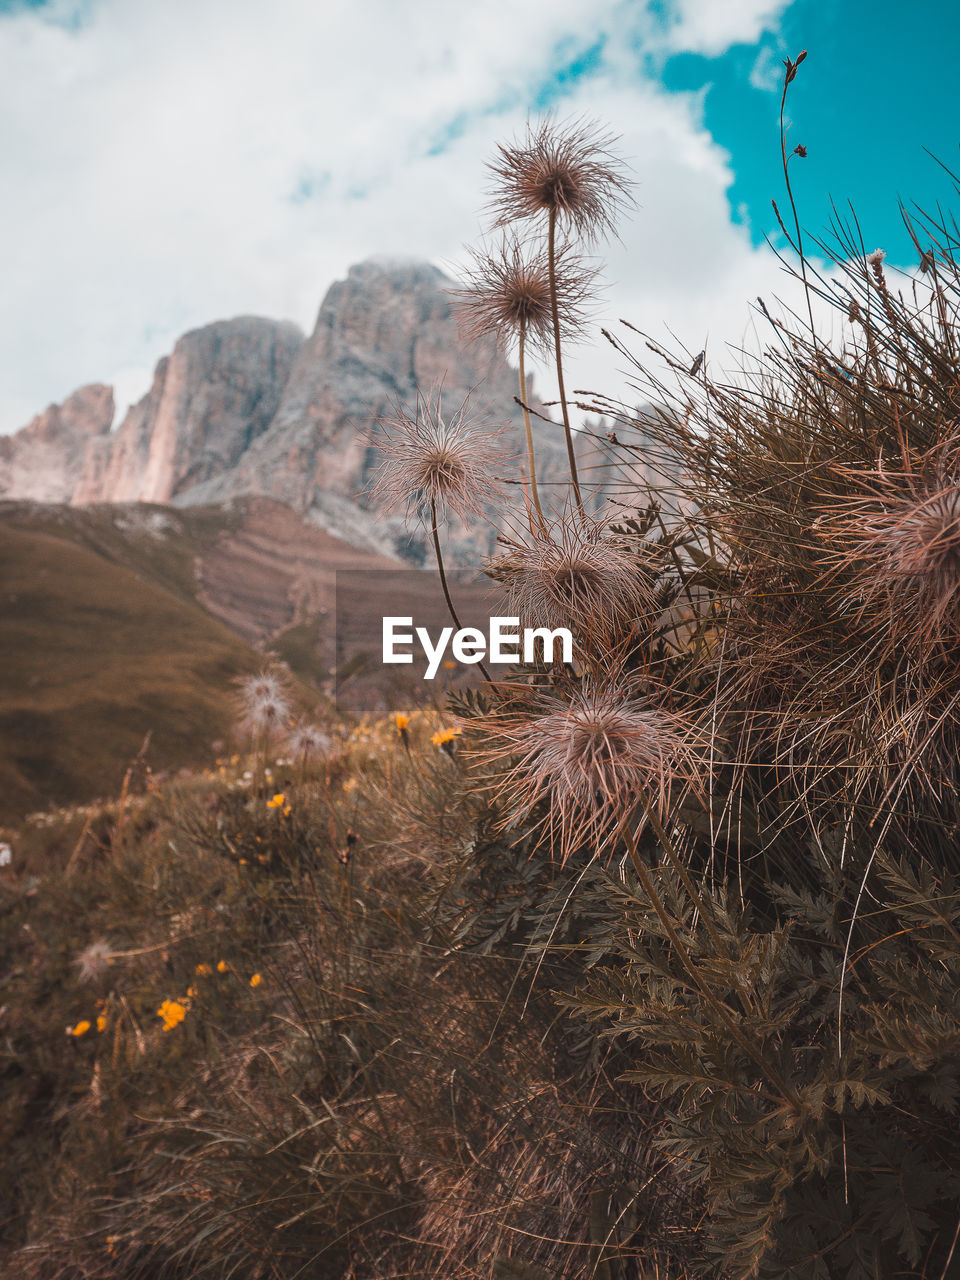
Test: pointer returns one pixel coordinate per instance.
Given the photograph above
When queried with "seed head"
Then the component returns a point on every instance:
(264, 706)
(507, 293)
(266, 684)
(308, 742)
(593, 756)
(430, 460)
(575, 572)
(568, 172)
(901, 545)
(94, 960)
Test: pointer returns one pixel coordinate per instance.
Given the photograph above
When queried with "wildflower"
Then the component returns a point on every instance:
(278, 801)
(437, 463)
(191, 993)
(173, 1013)
(203, 970)
(573, 572)
(256, 980)
(80, 1029)
(449, 665)
(444, 739)
(350, 785)
(222, 966)
(593, 757)
(94, 960)
(401, 721)
(101, 1022)
(506, 296)
(567, 172)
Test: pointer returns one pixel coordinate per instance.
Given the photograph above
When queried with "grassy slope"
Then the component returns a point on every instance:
(96, 655)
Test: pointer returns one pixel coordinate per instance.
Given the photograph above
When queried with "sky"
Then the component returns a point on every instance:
(166, 163)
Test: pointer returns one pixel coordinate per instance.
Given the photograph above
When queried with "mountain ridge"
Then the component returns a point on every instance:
(252, 407)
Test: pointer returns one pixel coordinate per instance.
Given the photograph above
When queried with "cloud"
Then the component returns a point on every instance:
(166, 164)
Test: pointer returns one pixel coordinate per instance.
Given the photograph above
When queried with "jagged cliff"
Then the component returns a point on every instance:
(248, 406)
(210, 400)
(43, 462)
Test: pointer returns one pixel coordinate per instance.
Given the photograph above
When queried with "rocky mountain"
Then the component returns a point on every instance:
(44, 461)
(210, 400)
(251, 407)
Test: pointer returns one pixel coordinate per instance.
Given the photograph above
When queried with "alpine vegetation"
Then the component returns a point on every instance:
(639, 958)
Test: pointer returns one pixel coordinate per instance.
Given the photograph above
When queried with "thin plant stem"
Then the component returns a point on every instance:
(787, 79)
(555, 307)
(529, 430)
(443, 579)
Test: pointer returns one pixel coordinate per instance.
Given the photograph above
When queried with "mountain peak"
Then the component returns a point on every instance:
(248, 406)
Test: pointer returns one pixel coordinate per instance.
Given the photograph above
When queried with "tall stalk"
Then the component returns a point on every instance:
(529, 430)
(443, 579)
(555, 307)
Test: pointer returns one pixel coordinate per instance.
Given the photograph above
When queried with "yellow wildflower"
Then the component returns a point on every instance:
(444, 736)
(222, 966)
(80, 1029)
(101, 1022)
(203, 970)
(449, 666)
(191, 993)
(172, 1012)
(402, 721)
(256, 980)
(350, 785)
(278, 801)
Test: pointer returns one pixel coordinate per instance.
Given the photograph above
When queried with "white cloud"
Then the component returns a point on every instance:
(711, 26)
(167, 163)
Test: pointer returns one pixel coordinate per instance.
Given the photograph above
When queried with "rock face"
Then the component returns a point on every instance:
(43, 460)
(386, 330)
(210, 400)
(248, 407)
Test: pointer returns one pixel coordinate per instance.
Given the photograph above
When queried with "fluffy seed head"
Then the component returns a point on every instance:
(308, 742)
(566, 171)
(264, 706)
(94, 960)
(594, 756)
(265, 684)
(575, 572)
(901, 545)
(430, 460)
(507, 293)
